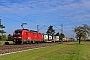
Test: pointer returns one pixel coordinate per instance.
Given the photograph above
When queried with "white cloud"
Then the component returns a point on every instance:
(34, 5)
(66, 8)
(67, 12)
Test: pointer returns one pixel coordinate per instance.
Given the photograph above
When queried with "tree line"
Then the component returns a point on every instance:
(82, 33)
(3, 36)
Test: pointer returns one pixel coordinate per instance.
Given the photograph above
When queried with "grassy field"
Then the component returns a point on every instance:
(71, 51)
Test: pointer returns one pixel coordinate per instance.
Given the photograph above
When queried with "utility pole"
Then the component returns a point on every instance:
(0, 21)
(61, 29)
(37, 28)
(61, 32)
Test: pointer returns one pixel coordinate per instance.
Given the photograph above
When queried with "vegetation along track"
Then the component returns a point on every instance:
(14, 48)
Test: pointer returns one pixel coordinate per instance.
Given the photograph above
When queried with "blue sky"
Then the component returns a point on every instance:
(70, 13)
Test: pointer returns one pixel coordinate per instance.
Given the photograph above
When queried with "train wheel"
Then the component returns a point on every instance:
(6, 43)
(33, 42)
(18, 42)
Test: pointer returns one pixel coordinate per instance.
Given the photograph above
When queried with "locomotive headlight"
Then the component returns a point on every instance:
(14, 37)
(19, 37)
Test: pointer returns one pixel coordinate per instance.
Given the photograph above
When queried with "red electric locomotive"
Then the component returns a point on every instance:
(26, 36)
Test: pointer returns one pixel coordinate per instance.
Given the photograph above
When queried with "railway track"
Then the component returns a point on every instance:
(15, 48)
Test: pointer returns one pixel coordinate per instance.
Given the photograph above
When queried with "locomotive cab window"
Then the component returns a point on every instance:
(18, 32)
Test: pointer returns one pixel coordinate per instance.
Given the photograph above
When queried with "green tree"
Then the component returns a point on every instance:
(2, 32)
(50, 31)
(82, 32)
(1, 26)
(4, 37)
(57, 34)
(10, 37)
(61, 36)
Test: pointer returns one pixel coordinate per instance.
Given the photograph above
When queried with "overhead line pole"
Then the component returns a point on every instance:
(0, 21)
(37, 28)
(61, 29)
(61, 32)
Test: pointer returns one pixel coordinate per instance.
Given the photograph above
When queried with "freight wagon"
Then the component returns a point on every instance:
(50, 38)
(56, 38)
(47, 38)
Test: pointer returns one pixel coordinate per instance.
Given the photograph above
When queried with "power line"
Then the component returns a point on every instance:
(61, 29)
(25, 19)
(11, 19)
(20, 17)
(39, 28)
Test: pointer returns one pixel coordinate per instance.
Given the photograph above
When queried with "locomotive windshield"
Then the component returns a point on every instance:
(18, 32)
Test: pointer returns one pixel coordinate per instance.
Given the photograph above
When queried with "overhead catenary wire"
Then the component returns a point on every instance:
(23, 18)
(20, 17)
(11, 19)
(61, 29)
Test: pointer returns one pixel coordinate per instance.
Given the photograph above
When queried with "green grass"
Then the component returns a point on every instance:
(71, 51)
(3, 42)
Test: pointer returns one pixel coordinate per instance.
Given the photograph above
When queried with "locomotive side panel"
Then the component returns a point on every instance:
(24, 35)
(35, 36)
(40, 37)
(30, 36)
